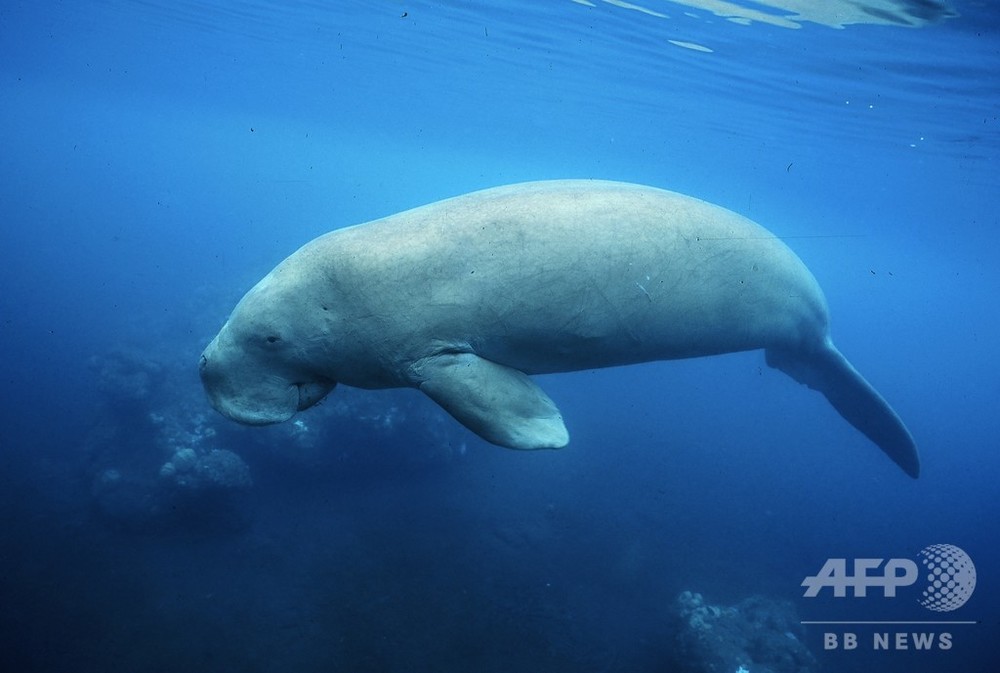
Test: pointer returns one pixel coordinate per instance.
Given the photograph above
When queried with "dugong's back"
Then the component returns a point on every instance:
(573, 274)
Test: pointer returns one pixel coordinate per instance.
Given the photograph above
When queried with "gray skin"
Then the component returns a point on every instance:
(465, 297)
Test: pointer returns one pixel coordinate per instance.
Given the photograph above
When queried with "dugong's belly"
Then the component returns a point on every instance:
(562, 276)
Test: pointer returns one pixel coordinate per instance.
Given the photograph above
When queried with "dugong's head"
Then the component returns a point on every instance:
(267, 361)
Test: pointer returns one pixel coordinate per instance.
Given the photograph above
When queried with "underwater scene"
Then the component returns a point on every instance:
(545, 336)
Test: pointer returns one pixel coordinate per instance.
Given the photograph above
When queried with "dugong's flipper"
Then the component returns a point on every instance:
(500, 404)
(829, 372)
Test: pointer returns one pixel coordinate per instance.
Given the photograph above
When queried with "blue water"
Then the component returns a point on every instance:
(158, 158)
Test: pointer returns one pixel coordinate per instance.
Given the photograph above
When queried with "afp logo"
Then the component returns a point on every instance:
(948, 577)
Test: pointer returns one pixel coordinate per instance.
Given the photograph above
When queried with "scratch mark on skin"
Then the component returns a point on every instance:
(644, 291)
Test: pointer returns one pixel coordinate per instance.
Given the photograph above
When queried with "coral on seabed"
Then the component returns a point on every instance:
(127, 376)
(215, 469)
(152, 455)
(699, 614)
(758, 634)
(158, 455)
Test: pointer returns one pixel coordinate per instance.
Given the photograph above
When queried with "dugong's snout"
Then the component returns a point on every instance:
(253, 397)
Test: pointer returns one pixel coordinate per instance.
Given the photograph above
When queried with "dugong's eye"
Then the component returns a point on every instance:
(273, 339)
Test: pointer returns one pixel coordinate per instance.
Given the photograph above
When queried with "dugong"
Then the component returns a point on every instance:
(464, 298)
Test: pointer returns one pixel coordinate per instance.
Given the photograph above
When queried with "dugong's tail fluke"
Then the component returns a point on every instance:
(829, 372)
